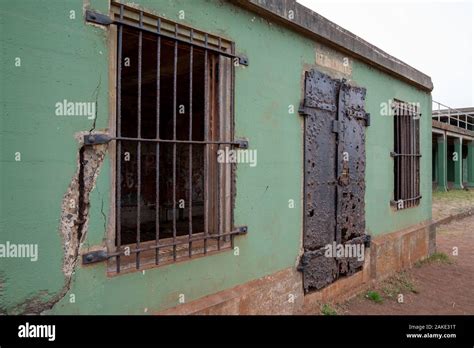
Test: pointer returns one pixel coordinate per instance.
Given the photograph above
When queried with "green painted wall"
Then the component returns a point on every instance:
(60, 59)
(379, 142)
(67, 59)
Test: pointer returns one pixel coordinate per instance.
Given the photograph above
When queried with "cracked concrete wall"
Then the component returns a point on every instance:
(76, 202)
(68, 64)
(73, 223)
(53, 65)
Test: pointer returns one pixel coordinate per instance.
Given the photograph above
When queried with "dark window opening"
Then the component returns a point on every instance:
(173, 199)
(129, 128)
(406, 155)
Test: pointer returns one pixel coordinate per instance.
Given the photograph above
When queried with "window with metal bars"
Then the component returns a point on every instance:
(406, 154)
(174, 111)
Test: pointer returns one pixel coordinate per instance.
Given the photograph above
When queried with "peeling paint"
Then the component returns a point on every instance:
(73, 223)
(75, 205)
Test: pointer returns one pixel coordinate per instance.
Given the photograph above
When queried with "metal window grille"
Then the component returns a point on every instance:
(406, 155)
(219, 61)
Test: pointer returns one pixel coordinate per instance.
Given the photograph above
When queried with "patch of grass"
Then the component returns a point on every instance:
(436, 257)
(374, 296)
(454, 195)
(398, 284)
(326, 309)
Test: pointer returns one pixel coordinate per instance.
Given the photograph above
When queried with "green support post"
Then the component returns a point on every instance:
(457, 158)
(470, 164)
(441, 163)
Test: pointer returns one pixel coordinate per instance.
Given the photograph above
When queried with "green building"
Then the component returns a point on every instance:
(203, 156)
(453, 147)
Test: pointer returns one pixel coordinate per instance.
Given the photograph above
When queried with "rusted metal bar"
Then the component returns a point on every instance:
(190, 212)
(242, 59)
(402, 159)
(206, 147)
(412, 150)
(394, 154)
(175, 79)
(91, 139)
(397, 150)
(231, 165)
(406, 133)
(417, 198)
(417, 149)
(139, 144)
(408, 159)
(413, 159)
(157, 157)
(218, 118)
(237, 231)
(118, 187)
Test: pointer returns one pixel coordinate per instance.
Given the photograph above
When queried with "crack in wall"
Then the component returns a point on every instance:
(74, 221)
(76, 203)
(95, 95)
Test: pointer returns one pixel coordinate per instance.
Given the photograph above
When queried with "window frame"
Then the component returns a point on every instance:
(406, 155)
(224, 107)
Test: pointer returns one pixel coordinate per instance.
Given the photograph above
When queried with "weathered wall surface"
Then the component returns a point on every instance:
(381, 218)
(63, 58)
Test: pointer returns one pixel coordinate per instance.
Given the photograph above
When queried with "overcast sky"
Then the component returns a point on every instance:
(435, 37)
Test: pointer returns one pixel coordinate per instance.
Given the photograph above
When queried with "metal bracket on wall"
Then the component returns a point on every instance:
(96, 139)
(98, 18)
(241, 143)
(243, 60)
(94, 256)
(242, 230)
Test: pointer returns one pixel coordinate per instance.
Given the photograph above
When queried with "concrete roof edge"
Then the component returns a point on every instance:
(311, 23)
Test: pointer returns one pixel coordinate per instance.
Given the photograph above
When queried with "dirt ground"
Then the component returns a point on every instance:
(442, 285)
(451, 203)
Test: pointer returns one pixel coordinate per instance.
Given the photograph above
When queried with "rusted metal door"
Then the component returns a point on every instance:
(334, 177)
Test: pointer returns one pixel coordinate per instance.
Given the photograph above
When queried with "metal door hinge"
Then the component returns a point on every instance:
(336, 126)
(302, 110)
